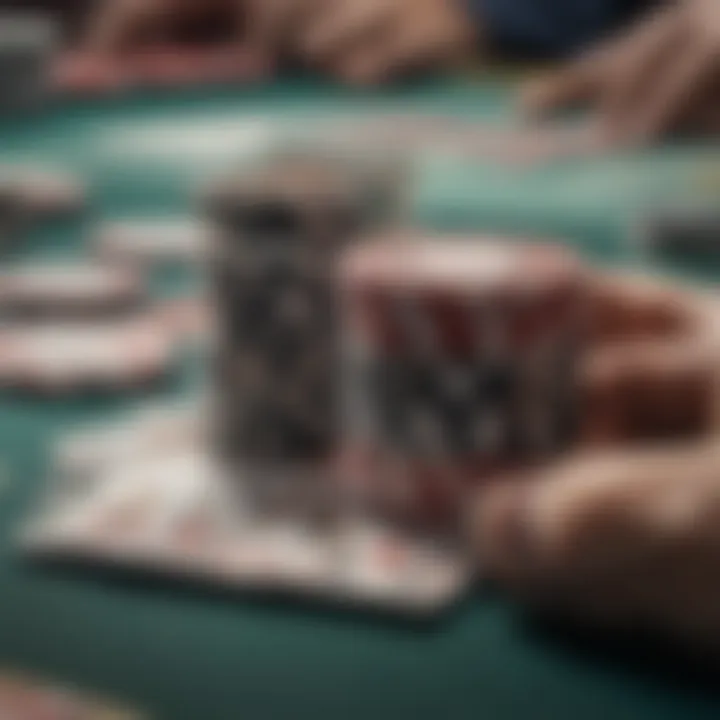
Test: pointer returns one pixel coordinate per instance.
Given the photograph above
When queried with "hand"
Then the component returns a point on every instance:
(626, 532)
(130, 25)
(366, 41)
(151, 42)
(661, 76)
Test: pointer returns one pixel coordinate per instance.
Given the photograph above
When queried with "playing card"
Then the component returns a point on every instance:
(145, 494)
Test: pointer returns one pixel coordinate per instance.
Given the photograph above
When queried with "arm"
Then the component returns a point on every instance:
(115, 23)
(550, 27)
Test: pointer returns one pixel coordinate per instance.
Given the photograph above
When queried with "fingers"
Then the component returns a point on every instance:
(635, 71)
(563, 89)
(563, 523)
(648, 82)
(372, 40)
(337, 31)
(706, 119)
(274, 23)
(663, 110)
(119, 23)
(651, 371)
(578, 81)
(649, 391)
(416, 49)
(626, 537)
(625, 307)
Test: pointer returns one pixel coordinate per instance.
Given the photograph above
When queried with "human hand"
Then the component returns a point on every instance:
(162, 42)
(366, 41)
(131, 25)
(626, 532)
(661, 76)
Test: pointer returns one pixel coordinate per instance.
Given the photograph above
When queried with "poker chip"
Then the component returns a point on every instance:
(460, 294)
(45, 193)
(153, 241)
(68, 289)
(467, 349)
(305, 198)
(192, 318)
(279, 231)
(58, 358)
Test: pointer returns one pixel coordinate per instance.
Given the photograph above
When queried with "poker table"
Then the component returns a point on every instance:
(187, 652)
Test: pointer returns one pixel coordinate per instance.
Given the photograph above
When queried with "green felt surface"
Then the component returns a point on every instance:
(184, 653)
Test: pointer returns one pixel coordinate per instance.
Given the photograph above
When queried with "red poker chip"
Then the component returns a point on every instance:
(56, 358)
(456, 290)
(69, 289)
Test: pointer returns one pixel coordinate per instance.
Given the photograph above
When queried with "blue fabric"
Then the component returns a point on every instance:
(550, 27)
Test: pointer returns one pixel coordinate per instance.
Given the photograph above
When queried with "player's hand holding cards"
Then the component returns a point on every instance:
(626, 530)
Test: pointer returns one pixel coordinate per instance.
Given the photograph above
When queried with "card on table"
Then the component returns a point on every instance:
(144, 494)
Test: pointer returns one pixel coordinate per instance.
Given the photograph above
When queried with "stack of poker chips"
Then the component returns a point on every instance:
(462, 356)
(27, 45)
(278, 231)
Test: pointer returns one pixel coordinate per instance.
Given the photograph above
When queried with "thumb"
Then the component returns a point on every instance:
(650, 390)
(626, 537)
